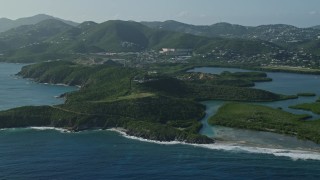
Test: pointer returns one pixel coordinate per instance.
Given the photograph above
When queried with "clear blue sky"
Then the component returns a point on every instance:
(300, 13)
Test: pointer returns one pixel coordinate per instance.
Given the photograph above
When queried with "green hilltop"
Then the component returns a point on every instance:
(280, 34)
(7, 24)
(53, 39)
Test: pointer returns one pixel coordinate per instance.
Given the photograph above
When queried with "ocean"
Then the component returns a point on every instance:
(48, 153)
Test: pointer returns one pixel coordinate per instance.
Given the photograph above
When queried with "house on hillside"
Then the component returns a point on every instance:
(176, 52)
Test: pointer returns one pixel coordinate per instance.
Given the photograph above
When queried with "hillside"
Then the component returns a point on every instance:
(31, 34)
(127, 36)
(51, 39)
(216, 30)
(7, 24)
(30, 43)
(312, 46)
(278, 33)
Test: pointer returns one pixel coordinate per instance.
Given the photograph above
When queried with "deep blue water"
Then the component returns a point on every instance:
(34, 154)
(52, 154)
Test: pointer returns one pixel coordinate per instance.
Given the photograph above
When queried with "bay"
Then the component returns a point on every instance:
(16, 92)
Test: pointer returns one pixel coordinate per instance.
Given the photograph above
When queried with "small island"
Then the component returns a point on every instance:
(306, 94)
(262, 118)
(313, 107)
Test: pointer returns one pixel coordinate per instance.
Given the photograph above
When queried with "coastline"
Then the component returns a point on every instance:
(283, 69)
(229, 146)
(219, 145)
(294, 154)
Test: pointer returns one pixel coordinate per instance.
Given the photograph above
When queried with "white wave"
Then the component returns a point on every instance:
(234, 147)
(290, 153)
(124, 134)
(11, 129)
(49, 128)
(60, 84)
(221, 146)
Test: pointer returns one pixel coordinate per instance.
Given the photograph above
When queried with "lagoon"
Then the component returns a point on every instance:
(283, 83)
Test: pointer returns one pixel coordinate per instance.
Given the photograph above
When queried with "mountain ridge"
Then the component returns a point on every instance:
(7, 24)
(52, 39)
(114, 36)
(281, 34)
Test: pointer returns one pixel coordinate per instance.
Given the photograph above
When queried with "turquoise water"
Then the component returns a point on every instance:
(40, 153)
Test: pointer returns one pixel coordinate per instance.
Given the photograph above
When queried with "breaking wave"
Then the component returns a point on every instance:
(239, 148)
(221, 146)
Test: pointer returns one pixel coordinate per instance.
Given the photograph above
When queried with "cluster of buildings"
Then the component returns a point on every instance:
(278, 57)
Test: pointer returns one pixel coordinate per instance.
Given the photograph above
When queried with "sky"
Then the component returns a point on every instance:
(301, 13)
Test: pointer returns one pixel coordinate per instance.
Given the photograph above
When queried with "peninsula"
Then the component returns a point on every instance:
(158, 106)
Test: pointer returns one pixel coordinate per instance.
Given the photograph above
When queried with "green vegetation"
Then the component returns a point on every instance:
(311, 46)
(249, 76)
(256, 117)
(156, 106)
(109, 98)
(202, 86)
(53, 39)
(7, 24)
(158, 101)
(276, 32)
(314, 107)
(289, 69)
(306, 94)
(196, 91)
(163, 133)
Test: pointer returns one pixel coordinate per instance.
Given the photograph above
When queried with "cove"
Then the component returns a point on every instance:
(16, 92)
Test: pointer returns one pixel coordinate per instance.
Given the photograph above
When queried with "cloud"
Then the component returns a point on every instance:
(313, 13)
(183, 14)
(203, 15)
(115, 16)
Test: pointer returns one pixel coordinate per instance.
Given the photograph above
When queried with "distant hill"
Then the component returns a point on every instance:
(27, 35)
(316, 27)
(279, 33)
(6, 24)
(216, 30)
(52, 39)
(28, 42)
